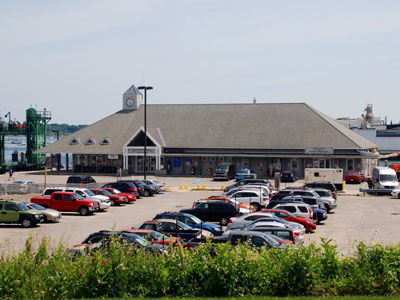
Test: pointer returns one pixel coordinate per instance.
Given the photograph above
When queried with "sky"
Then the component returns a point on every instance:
(77, 58)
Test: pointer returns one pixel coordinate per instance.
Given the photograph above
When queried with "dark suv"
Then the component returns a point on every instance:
(213, 211)
(143, 189)
(325, 185)
(80, 179)
(124, 187)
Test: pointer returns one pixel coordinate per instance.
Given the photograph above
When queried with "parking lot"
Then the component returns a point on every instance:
(370, 219)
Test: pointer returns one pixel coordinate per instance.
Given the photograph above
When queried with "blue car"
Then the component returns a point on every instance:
(245, 174)
(320, 215)
(192, 221)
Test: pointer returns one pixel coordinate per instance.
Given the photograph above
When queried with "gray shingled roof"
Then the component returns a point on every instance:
(276, 126)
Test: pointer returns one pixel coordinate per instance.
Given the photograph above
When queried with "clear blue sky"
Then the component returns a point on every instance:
(77, 58)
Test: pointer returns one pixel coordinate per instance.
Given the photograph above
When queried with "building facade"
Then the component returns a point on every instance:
(184, 139)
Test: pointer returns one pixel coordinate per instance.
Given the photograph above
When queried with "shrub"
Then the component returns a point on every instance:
(209, 270)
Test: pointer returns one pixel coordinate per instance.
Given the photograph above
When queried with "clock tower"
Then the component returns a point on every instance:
(132, 99)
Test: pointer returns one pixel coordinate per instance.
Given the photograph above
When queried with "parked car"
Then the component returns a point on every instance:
(153, 187)
(396, 192)
(288, 176)
(49, 215)
(273, 221)
(142, 188)
(213, 210)
(192, 221)
(224, 171)
(67, 201)
(245, 173)
(260, 187)
(285, 233)
(161, 187)
(325, 185)
(114, 198)
(175, 228)
(327, 198)
(102, 238)
(104, 202)
(298, 209)
(256, 239)
(154, 237)
(244, 208)
(130, 197)
(354, 177)
(12, 211)
(124, 187)
(250, 218)
(23, 187)
(80, 179)
(256, 198)
(308, 223)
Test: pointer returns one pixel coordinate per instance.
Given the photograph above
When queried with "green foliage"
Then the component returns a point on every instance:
(64, 129)
(207, 271)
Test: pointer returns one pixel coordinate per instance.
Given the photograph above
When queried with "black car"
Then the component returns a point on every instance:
(288, 176)
(124, 187)
(213, 211)
(325, 185)
(143, 189)
(103, 238)
(81, 179)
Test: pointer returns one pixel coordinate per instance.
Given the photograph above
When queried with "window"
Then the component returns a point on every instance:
(90, 141)
(105, 141)
(257, 241)
(75, 141)
(57, 196)
(1, 205)
(303, 209)
(11, 206)
(169, 226)
(289, 208)
(68, 198)
(202, 206)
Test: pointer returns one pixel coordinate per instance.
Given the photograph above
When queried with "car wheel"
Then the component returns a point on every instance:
(398, 195)
(44, 219)
(327, 208)
(112, 203)
(256, 206)
(27, 222)
(146, 193)
(223, 221)
(83, 211)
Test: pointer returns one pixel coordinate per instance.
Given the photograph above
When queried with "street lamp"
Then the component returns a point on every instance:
(145, 88)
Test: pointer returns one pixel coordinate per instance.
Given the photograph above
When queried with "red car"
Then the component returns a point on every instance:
(114, 199)
(354, 176)
(130, 197)
(309, 224)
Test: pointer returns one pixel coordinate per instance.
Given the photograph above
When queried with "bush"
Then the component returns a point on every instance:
(210, 270)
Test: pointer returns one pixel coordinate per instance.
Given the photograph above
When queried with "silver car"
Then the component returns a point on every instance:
(161, 187)
(50, 215)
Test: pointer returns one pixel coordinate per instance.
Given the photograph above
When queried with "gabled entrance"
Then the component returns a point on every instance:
(133, 153)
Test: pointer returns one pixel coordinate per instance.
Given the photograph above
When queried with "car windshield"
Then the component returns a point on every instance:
(89, 193)
(353, 173)
(243, 171)
(156, 181)
(19, 182)
(388, 177)
(105, 192)
(36, 206)
(196, 220)
(142, 241)
(158, 235)
(221, 169)
(116, 191)
(273, 242)
(78, 197)
(23, 207)
(184, 226)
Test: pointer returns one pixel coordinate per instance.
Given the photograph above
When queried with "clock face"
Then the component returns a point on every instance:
(129, 102)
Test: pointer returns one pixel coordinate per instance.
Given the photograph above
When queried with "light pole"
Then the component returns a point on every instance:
(145, 88)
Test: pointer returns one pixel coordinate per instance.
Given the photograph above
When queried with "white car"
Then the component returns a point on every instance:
(247, 219)
(396, 192)
(299, 209)
(253, 197)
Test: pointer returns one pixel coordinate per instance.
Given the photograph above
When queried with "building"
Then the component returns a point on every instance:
(185, 138)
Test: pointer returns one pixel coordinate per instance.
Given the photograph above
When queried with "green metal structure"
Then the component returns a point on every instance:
(35, 130)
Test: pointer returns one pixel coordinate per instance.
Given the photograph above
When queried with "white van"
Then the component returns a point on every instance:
(384, 178)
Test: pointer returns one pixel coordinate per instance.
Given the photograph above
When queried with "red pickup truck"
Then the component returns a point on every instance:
(67, 201)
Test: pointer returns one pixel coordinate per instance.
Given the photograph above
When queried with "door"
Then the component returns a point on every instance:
(70, 203)
(10, 213)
